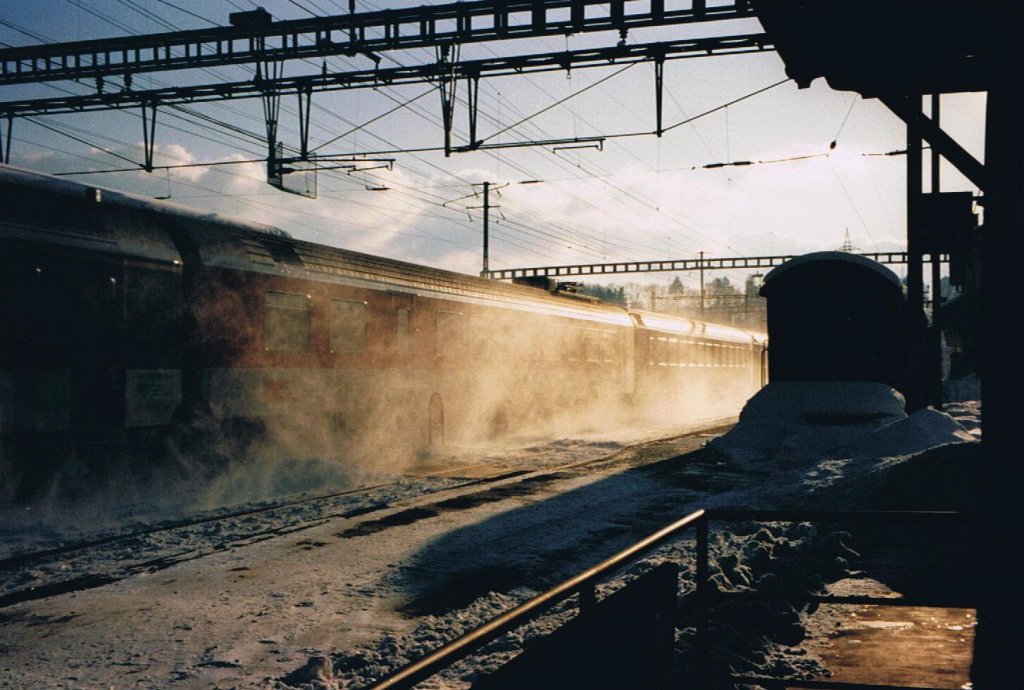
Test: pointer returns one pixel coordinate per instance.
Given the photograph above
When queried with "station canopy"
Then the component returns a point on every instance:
(886, 47)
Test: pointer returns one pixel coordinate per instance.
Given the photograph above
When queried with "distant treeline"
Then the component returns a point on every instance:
(721, 301)
(606, 293)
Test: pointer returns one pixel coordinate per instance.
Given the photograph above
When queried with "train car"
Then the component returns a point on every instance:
(688, 364)
(835, 316)
(134, 331)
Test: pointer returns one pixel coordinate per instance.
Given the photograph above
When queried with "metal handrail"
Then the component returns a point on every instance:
(707, 592)
(583, 584)
(865, 516)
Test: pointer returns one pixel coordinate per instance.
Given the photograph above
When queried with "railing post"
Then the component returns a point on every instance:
(702, 593)
(588, 597)
(667, 596)
(583, 584)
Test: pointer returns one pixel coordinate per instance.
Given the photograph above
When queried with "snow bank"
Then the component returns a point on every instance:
(797, 420)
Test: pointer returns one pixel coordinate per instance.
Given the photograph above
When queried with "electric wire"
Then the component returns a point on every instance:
(256, 138)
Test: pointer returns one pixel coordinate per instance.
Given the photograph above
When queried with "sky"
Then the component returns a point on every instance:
(635, 198)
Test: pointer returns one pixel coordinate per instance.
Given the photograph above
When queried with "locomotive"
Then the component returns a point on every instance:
(134, 332)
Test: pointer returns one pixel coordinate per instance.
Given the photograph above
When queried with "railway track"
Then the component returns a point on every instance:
(102, 560)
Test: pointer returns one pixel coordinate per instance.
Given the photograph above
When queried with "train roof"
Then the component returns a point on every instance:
(234, 244)
(13, 175)
(846, 258)
(681, 326)
(40, 208)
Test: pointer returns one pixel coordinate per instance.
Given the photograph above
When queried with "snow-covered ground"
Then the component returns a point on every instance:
(368, 580)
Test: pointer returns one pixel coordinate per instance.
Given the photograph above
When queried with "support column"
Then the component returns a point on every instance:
(702, 285)
(447, 56)
(473, 84)
(935, 341)
(305, 106)
(659, 89)
(916, 358)
(5, 140)
(148, 134)
(487, 220)
(998, 658)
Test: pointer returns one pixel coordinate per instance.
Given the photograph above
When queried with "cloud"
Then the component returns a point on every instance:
(628, 213)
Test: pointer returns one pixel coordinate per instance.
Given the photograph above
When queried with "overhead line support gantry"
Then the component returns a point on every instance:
(700, 264)
(255, 39)
(351, 34)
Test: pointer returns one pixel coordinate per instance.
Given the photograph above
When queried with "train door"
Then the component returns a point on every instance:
(408, 392)
(66, 319)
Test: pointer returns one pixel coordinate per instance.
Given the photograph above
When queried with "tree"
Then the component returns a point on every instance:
(722, 286)
(606, 293)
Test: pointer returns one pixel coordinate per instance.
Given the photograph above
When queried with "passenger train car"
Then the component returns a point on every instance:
(133, 331)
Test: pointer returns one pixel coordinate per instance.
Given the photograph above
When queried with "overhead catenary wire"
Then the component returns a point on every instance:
(254, 136)
(615, 195)
(835, 139)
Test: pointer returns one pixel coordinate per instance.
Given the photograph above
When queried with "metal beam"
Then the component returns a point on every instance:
(349, 34)
(909, 111)
(148, 134)
(371, 78)
(5, 139)
(673, 265)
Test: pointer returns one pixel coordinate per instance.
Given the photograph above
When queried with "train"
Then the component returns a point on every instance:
(137, 332)
(838, 316)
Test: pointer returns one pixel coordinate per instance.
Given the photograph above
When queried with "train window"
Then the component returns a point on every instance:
(592, 345)
(483, 337)
(152, 313)
(613, 347)
(599, 346)
(507, 342)
(286, 322)
(576, 345)
(660, 346)
(608, 346)
(347, 327)
(450, 334)
(552, 345)
(403, 319)
(688, 353)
